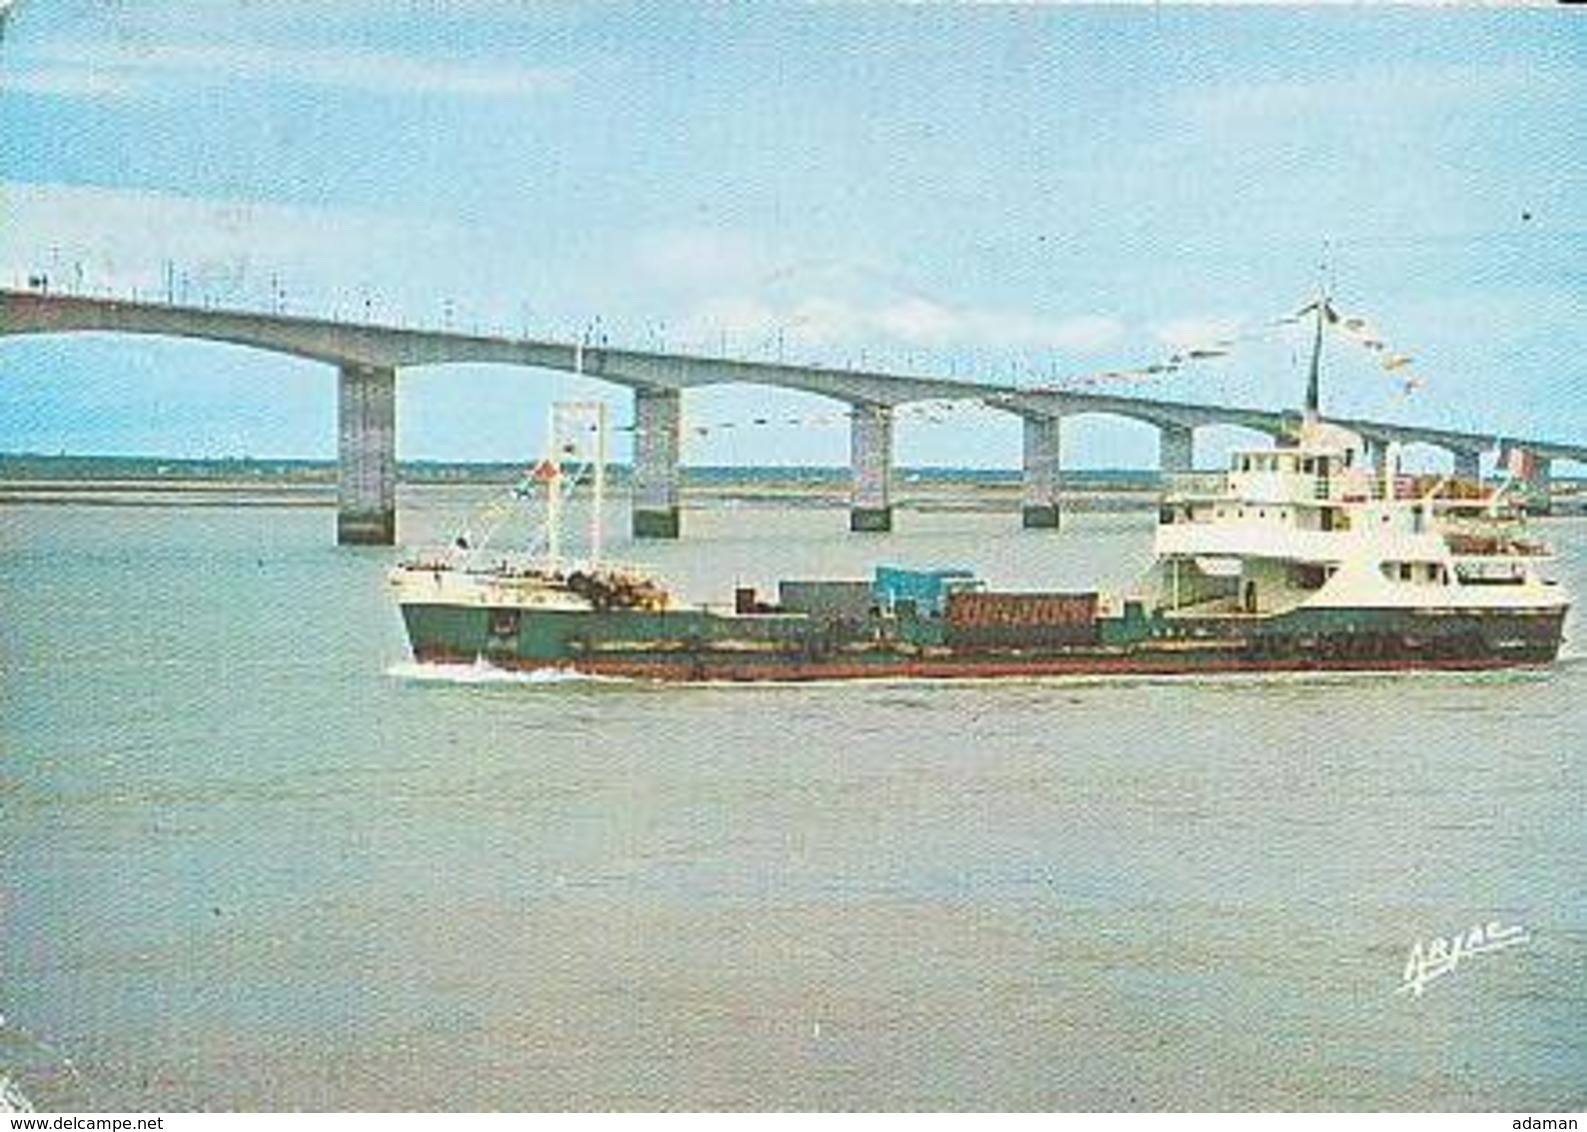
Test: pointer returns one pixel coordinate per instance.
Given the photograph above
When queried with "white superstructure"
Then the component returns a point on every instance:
(1314, 523)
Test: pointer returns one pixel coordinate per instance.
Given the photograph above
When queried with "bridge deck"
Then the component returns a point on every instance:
(384, 346)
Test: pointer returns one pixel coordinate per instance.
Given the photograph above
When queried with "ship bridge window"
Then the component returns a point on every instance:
(1425, 573)
(1474, 574)
(1308, 576)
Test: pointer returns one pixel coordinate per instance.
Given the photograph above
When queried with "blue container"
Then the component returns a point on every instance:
(927, 589)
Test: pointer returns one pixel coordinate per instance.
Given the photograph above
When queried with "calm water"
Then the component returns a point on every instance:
(250, 861)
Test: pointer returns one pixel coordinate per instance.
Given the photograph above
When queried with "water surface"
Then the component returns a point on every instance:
(252, 860)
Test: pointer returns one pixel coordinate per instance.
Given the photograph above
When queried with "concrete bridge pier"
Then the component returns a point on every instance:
(1525, 463)
(658, 415)
(1537, 472)
(1043, 472)
(871, 455)
(366, 474)
(1176, 449)
(1377, 454)
(1468, 464)
(1543, 485)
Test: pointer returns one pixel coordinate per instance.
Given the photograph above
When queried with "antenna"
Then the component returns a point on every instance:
(571, 424)
(1324, 311)
(598, 504)
(1313, 397)
(551, 470)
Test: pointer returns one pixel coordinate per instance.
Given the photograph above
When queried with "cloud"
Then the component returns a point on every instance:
(64, 82)
(825, 320)
(919, 322)
(1195, 330)
(750, 322)
(1084, 333)
(1370, 95)
(687, 258)
(752, 292)
(117, 240)
(335, 260)
(128, 68)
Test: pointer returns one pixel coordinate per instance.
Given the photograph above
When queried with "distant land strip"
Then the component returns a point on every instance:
(23, 467)
(32, 478)
(35, 478)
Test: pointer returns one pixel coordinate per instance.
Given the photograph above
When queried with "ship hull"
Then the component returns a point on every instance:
(696, 645)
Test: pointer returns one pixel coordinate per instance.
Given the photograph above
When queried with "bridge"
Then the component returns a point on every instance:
(368, 356)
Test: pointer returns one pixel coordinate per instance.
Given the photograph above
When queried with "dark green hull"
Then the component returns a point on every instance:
(697, 644)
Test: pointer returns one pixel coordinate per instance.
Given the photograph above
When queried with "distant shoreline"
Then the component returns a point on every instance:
(146, 481)
(26, 467)
(156, 481)
(939, 495)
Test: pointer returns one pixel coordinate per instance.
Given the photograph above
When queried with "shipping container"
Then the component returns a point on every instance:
(926, 590)
(826, 600)
(1021, 620)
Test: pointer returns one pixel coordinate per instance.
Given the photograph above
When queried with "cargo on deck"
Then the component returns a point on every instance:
(1009, 620)
(1308, 555)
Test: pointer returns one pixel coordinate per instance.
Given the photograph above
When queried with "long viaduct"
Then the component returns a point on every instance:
(368, 357)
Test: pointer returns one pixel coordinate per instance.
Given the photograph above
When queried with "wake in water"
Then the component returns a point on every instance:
(34, 1072)
(11, 1098)
(1284, 678)
(481, 672)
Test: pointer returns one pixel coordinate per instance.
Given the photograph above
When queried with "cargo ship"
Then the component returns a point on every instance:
(1302, 557)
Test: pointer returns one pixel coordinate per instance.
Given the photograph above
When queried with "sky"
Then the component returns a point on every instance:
(1039, 195)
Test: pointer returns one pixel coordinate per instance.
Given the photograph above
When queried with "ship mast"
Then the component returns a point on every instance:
(598, 504)
(551, 471)
(566, 438)
(1313, 382)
